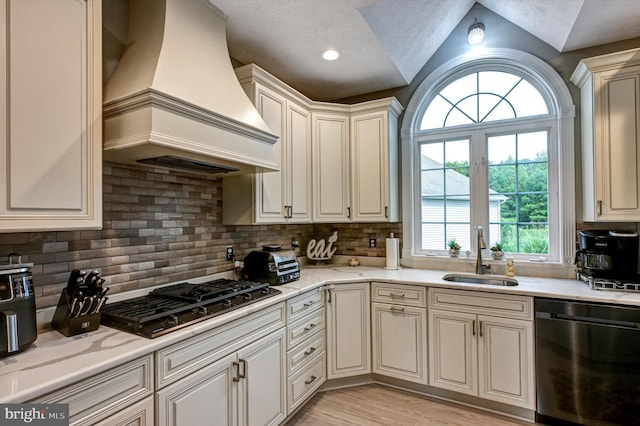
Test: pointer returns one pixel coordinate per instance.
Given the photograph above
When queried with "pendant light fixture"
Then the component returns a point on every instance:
(476, 33)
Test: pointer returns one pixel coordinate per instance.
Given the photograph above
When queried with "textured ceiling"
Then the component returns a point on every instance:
(385, 43)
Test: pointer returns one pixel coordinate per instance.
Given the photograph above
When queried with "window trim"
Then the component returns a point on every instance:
(553, 87)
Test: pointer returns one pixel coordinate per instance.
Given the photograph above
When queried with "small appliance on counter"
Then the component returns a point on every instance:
(80, 303)
(271, 265)
(608, 259)
(18, 328)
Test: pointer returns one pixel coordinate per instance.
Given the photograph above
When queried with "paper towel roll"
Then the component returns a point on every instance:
(393, 253)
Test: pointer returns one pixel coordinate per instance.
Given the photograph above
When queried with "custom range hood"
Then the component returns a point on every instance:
(174, 101)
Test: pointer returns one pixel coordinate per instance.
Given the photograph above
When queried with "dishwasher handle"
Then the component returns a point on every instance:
(589, 320)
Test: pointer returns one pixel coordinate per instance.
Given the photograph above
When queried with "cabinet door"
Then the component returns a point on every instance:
(270, 186)
(331, 168)
(298, 180)
(348, 330)
(51, 131)
(369, 167)
(262, 393)
(206, 397)
(399, 341)
(505, 361)
(617, 132)
(453, 351)
(620, 166)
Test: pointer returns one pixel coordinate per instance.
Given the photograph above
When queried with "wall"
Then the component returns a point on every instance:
(162, 227)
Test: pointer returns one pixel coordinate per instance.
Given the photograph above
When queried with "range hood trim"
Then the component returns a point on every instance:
(115, 145)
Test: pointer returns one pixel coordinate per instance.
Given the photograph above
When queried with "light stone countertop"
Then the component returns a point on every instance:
(55, 361)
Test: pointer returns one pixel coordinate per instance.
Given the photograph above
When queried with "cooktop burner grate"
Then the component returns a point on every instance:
(609, 284)
(169, 308)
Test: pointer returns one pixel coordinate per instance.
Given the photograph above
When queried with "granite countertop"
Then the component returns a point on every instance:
(55, 361)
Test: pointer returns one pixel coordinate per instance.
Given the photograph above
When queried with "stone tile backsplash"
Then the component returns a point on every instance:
(161, 227)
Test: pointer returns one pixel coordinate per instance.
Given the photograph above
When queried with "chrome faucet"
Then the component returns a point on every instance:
(480, 268)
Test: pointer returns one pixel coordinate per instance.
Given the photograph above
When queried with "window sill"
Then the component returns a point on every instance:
(497, 267)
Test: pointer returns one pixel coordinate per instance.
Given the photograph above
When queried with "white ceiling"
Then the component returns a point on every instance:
(385, 43)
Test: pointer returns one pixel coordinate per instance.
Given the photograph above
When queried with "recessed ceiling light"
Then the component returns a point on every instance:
(330, 55)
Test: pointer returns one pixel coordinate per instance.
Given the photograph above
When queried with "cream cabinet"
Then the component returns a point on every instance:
(348, 330)
(51, 131)
(122, 395)
(355, 162)
(610, 130)
(399, 331)
(482, 345)
(330, 148)
(306, 357)
(274, 196)
(236, 371)
(374, 161)
(244, 388)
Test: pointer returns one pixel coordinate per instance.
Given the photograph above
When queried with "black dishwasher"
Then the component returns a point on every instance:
(587, 363)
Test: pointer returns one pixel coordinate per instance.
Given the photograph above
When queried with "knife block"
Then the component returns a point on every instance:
(73, 326)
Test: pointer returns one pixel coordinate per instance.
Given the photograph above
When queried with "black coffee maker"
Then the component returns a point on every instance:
(608, 254)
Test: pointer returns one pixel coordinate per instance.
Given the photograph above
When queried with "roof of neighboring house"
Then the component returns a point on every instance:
(458, 185)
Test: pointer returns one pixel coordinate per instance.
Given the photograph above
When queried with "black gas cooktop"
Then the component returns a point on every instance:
(176, 306)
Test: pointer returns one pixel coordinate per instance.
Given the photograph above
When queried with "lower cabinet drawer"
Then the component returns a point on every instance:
(139, 414)
(302, 384)
(305, 327)
(305, 351)
(98, 397)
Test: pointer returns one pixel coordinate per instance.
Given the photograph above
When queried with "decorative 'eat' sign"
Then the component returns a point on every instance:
(321, 250)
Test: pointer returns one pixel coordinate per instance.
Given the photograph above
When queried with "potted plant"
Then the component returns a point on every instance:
(454, 247)
(496, 251)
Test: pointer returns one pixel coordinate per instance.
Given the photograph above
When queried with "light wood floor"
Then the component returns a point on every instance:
(380, 405)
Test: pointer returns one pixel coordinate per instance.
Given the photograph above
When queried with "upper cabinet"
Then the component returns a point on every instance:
(338, 162)
(374, 161)
(51, 131)
(610, 103)
(284, 195)
(355, 162)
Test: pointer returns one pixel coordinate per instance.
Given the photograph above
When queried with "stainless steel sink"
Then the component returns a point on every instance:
(477, 279)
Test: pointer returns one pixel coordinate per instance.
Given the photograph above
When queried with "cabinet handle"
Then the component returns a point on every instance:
(311, 380)
(395, 310)
(328, 295)
(480, 328)
(349, 212)
(599, 207)
(244, 369)
(309, 303)
(473, 327)
(310, 327)
(310, 351)
(386, 211)
(396, 295)
(236, 365)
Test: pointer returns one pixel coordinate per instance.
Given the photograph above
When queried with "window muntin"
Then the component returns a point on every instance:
(482, 97)
(475, 101)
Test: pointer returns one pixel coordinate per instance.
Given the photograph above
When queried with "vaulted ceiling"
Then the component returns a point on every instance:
(385, 43)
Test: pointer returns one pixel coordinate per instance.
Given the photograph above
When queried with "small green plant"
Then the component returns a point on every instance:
(497, 246)
(453, 244)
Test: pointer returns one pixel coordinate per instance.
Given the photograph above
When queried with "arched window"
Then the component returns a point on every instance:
(485, 139)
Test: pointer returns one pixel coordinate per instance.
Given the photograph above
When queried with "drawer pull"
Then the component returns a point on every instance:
(310, 351)
(311, 326)
(395, 309)
(309, 303)
(473, 327)
(311, 380)
(396, 295)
